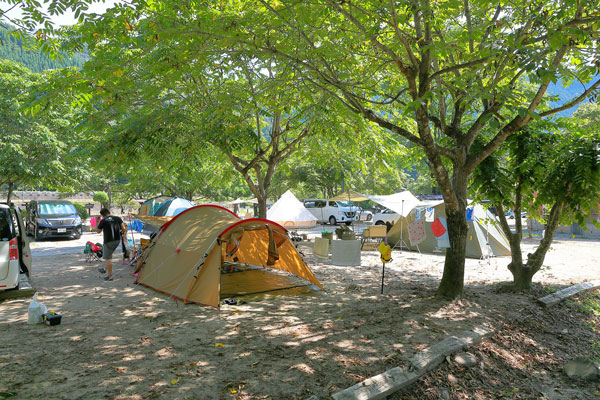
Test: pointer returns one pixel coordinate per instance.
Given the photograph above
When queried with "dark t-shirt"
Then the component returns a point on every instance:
(111, 227)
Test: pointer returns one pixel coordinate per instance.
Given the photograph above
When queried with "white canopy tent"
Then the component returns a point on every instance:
(289, 212)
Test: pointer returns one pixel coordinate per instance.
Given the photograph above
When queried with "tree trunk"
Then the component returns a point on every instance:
(524, 274)
(109, 193)
(452, 283)
(11, 187)
(262, 207)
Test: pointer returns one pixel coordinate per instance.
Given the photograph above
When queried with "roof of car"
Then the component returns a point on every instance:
(52, 201)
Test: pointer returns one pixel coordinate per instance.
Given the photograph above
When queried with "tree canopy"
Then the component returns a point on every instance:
(30, 150)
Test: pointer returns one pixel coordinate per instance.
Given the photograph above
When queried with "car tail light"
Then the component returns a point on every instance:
(13, 249)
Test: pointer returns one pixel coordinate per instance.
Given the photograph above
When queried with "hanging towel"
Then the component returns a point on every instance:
(429, 214)
(443, 240)
(418, 214)
(470, 214)
(416, 232)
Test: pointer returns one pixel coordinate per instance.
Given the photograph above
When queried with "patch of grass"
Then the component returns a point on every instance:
(589, 306)
(550, 289)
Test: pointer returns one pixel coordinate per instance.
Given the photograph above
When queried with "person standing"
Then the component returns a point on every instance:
(114, 229)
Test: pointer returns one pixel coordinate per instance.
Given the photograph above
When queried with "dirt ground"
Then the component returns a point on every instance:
(122, 341)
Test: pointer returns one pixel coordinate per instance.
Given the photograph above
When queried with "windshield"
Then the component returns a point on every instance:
(56, 208)
(345, 203)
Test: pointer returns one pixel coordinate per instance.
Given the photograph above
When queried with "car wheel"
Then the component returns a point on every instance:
(379, 223)
(332, 220)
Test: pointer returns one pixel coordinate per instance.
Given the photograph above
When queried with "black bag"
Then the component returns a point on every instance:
(125, 250)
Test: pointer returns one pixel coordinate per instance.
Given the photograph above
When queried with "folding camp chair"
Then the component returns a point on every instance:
(93, 252)
(372, 236)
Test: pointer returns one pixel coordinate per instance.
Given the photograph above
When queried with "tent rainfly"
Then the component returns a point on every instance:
(173, 207)
(291, 213)
(207, 252)
(150, 206)
(425, 229)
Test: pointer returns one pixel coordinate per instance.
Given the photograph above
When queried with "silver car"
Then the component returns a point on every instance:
(15, 255)
(386, 215)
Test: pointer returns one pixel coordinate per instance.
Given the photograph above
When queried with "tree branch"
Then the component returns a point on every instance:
(573, 102)
(376, 43)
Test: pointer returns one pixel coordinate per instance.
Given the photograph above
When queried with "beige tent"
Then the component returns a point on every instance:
(207, 252)
(291, 213)
(484, 237)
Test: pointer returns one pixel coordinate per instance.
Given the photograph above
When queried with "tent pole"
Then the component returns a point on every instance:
(402, 212)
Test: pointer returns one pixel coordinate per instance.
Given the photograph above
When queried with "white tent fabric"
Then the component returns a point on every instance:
(289, 212)
(237, 201)
(401, 203)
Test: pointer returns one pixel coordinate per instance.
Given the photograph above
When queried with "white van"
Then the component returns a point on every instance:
(331, 211)
(15, 256)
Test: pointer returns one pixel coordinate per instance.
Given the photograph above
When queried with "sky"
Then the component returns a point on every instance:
(65, 19)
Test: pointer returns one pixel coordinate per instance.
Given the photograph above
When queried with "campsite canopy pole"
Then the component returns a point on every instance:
(401, 216)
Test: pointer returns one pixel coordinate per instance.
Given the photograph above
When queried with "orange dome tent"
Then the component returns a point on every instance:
(207, 252)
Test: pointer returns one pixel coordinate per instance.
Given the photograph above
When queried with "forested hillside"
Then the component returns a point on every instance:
(12, 49)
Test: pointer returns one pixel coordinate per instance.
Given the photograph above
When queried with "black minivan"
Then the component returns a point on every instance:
(53, 218)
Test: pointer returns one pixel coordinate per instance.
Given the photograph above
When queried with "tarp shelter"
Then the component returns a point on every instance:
(350, 195)
(289, 212)
(401, 203)
(173, 207)
(207, 251)
(239, 201)
(150, 206)
(425, 229)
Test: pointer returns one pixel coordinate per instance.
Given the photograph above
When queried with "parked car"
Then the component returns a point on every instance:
(329, 211)
(15, 256)
(53, 218)
(385, 215)
(365, 215)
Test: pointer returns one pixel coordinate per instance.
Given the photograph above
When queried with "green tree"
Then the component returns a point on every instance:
(250, 110)
(545, 169)
(102, 198)
(81, 211)
(435, 73)
(30, 152)
(35, 28)
(13, 49)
